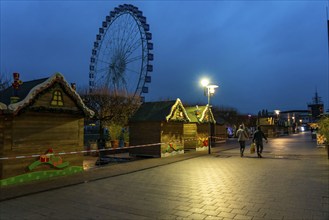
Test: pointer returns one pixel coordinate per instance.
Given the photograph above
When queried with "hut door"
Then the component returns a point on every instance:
(190, 136)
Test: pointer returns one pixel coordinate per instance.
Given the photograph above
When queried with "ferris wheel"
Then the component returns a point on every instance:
(121, 56)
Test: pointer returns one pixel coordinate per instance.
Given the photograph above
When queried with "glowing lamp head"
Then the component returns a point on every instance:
(204, 82)
(212, 89)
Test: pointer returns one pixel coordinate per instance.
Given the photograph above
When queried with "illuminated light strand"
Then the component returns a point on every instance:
(99, 150)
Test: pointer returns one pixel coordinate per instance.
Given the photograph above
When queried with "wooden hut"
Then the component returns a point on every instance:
(45, 117)
(220, 131)
(159, 126)
(196, 131)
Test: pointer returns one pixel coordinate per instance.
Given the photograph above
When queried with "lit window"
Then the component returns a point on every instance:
(57, 99)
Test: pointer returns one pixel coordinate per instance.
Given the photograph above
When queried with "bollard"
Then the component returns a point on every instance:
(101, 145)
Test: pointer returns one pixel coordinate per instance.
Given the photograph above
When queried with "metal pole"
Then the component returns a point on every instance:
(209, 137)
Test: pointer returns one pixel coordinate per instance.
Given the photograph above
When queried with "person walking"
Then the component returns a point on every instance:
(242, 137)
(258, 140)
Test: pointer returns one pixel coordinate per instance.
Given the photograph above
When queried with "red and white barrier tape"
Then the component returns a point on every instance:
(78, 152)
(97, 150)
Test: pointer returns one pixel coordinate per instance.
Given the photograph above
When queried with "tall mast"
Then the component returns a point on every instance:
(328, 54)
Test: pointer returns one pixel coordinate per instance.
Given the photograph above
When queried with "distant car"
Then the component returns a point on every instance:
(230, 132)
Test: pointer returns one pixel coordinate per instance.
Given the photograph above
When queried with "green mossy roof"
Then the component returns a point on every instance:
(191, 112)
(200, 117)
(153, 111)
(160, 111)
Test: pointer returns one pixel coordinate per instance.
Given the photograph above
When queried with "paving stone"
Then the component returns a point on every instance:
(196, 210)
(211, 212)
(209, 217)
(210, 207)
(242, 217)
(256, 214)
(166, 217)
(182, 208)
(197, 216)
(182, 213)
(239, 211)
(227, 215)
(223, 209)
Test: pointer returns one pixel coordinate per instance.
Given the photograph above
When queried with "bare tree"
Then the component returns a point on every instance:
(111, 109)
(4, 81)
(229, 114)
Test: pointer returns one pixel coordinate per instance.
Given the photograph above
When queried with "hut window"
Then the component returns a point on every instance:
(57, 99)
(179, 113)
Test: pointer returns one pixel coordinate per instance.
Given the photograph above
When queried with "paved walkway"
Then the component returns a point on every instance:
(290, 182)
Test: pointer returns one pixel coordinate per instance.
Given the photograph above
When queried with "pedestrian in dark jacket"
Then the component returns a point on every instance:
(258, 140)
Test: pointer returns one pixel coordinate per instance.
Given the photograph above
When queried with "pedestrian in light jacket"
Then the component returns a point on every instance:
(242, 136)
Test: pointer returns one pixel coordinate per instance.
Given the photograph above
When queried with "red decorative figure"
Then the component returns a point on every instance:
(205, 142)
(44, 159)
(16, 84)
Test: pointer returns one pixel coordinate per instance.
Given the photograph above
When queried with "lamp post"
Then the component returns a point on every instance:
(209, 90)
(277, 112)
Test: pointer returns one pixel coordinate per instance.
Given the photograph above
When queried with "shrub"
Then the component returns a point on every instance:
(324, 128)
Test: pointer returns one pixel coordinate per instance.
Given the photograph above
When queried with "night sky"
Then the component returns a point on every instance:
(262, 54)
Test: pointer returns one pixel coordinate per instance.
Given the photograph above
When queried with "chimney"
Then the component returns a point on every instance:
(73, 86)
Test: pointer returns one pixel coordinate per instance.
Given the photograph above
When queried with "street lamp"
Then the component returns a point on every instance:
(209, 90)
(277, 112)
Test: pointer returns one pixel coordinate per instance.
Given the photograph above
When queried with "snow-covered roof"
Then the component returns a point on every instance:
(45, 84)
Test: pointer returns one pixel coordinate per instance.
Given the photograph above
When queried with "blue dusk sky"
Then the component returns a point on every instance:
(262, 54)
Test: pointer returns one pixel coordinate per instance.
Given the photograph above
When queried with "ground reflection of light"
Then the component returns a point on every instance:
(279, 144)
(89, 163)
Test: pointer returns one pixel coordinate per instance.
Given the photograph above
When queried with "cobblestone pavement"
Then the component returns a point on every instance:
(290, 182)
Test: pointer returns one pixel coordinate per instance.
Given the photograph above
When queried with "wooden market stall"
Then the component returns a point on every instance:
(41, 117)
(220, 134)
(196, 131)
(160, 126)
